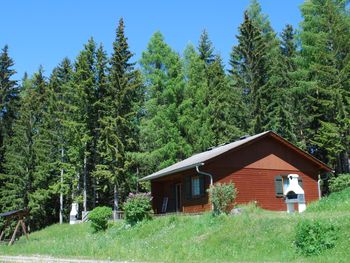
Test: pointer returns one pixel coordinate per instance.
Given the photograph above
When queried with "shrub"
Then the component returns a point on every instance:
(314, 236)
(222, 196)
(137, 208)
(99, 218)
(339, 183)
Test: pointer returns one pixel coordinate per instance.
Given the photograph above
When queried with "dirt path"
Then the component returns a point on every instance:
(46, 259)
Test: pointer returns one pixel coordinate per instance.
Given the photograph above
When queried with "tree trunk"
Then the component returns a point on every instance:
(116, 205)
(61, 188)
(85, 185)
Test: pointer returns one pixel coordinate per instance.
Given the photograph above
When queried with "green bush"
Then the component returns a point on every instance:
(137, 208)
(339, 183)
(222, 196)
(315, 236)
(99, 218)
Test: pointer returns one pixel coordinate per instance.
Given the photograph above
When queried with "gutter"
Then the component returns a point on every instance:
(158, 175)
(319, 184)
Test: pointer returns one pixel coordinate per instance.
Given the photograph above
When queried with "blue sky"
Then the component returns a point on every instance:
(42, 32)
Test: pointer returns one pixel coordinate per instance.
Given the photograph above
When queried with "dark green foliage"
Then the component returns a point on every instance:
(339, 183)
(28, 166)
(99, 217)
(223, 105)
(137, 208)
(277, 92)
(222, 197)
(313, 237)
(120, 98)
(324, 60)
(8, 100)
(249, 72)
(195, 115)
(206, 49)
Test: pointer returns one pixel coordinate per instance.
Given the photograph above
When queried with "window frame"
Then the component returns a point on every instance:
(189, 186)
(198, 184)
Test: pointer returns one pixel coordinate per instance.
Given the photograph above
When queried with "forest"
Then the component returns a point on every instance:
(95, 125)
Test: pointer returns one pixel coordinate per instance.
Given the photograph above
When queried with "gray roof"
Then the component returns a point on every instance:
(200, 158)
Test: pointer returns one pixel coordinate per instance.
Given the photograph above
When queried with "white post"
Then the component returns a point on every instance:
(301, 207)
(290, 207)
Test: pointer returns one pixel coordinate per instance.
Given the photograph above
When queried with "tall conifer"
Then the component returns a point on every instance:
(162, 135)
(8, 99)
(324, 59)
(249, 72)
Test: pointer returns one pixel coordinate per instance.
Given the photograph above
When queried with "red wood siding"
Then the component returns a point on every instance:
(252, 169)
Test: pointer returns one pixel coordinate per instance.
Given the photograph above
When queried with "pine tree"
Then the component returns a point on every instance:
(249, 73)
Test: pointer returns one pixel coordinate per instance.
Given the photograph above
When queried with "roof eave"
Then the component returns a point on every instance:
(152, 176)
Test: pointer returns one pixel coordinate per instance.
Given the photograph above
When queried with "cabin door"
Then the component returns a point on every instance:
(178, 202)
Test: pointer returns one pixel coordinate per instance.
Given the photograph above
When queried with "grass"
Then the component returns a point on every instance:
(254, 236)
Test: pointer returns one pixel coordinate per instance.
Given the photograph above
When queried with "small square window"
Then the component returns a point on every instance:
(195, 186)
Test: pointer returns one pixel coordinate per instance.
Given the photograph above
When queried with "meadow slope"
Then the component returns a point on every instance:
(256, 235)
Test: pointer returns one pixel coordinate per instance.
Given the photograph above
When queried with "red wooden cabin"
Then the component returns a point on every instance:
(258, 166)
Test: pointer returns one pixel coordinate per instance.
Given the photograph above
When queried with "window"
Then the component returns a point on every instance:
(195, 186)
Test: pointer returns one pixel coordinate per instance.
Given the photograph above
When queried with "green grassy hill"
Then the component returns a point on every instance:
(255, 235)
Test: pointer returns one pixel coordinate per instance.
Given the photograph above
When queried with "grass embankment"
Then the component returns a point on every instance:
(255, 235)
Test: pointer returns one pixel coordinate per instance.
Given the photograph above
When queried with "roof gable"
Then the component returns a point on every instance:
(200, 158)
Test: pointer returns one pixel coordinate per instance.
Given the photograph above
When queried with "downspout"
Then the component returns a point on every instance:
(207, 174)
(319, 184)
(204, 173)
(319, 187)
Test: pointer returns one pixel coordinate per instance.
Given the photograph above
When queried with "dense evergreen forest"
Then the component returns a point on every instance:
(98, 123)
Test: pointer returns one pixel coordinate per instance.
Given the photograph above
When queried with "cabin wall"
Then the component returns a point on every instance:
(252, 168)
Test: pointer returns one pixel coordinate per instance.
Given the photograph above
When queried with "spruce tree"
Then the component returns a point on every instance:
(206, 49)
(120, 113)
(249, 73)
(8, 100)
(223, 106)
(194, 116)
(278, 92)
(28, 168)
(84, 79)
(324, 60)
(60, 104)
